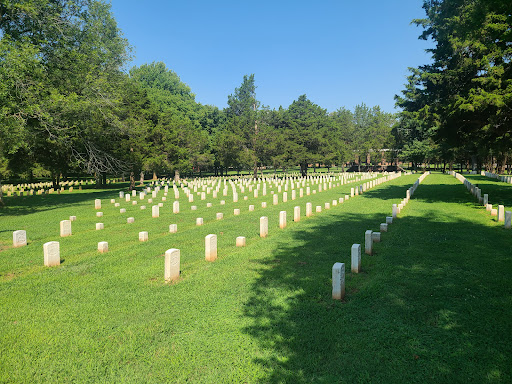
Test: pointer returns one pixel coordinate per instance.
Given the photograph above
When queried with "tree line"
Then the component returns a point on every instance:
(68, 104)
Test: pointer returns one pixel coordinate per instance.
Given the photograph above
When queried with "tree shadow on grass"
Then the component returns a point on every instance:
(433, 305)
(498, 191)
(18, 206)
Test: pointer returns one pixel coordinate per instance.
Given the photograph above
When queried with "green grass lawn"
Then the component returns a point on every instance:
(434, 304)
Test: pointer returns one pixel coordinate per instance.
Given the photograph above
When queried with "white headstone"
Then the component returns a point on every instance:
(508, 219)
(65, 228)
(155, 211)
(97, 204)
(130, 220)
(99, 226)
(376, 237)
(282, 219)
(355, 257)
(173, 228)
(501, 213)
(263, 226)
(309, 209)
(383, 227)
(19, 238)
(199, 221)
(368, 242)
(172, 264)
(338, 281)
(72, 218)
(51, 252)
(103, 247)
(389, 220)
(210, 247)
(143, 236)
(99, 214)
(236, 211)
(240, 241)
(296, 213)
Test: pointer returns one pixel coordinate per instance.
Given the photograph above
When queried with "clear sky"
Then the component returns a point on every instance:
(339, 53)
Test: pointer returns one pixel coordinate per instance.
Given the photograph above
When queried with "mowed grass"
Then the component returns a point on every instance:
(434, 304)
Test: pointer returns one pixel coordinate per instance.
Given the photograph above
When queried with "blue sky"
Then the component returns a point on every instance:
(339, 53)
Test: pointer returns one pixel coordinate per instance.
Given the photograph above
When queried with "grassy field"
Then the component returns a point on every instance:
(434, 304)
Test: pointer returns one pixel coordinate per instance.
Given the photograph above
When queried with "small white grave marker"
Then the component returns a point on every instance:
(99, 226)
(19, 238)
(65, 228)
(173, 228)
(338, 281)
(355, 257)
(309, 209)
(210, 247)
(199, 221)
(263, 226)
(368, 242)
(155, 211)
(172, 264)
(282, 219)
(296, 214)
(51, 252)
(240, 241)
(143, 236)
(508, 219)
(103, 247)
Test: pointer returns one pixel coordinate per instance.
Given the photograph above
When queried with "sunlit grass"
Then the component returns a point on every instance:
(432, 305)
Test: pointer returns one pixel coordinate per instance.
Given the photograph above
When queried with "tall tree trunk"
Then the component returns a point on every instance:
(154, 175)
(474, 163)
(176, 175)
(132, 181)
(141, 180)
(1, 195)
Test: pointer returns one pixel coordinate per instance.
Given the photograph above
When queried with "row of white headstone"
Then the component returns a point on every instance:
(172, 256)
(505, 179)
(370, 237)
(500, 213)
(52, 249)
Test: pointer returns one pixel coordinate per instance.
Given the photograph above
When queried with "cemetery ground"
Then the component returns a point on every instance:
(433, 304)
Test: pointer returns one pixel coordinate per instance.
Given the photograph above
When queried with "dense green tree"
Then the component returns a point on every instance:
(306, 125)
(60, 92)
(465, 93)
(241, 119)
